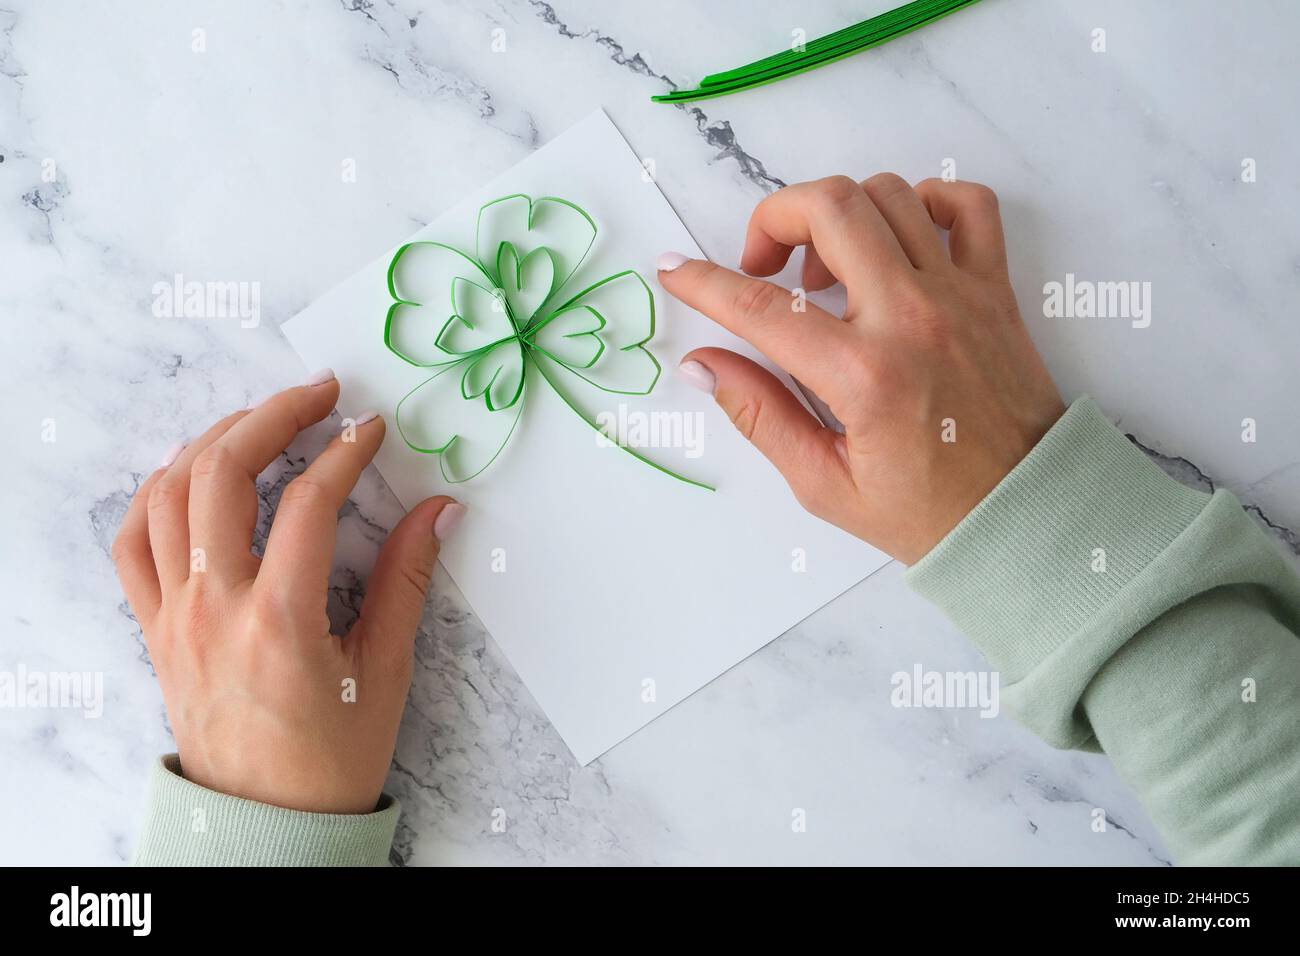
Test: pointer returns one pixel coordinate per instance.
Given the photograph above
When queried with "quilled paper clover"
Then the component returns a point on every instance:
(481, 321)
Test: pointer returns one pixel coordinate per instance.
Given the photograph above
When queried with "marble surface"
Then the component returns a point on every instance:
(225, 165)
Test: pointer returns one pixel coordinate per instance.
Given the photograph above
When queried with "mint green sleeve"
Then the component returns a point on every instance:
(1130, 614)
(189, 825)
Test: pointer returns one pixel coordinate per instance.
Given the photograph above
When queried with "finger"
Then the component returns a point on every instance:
(815, 274)
(399, 584)
(133, 557)
(814, 345)
(806, 453)
(222, 515)
(169, 506)
(267, 430)
(221, 505)
(836, 216)
(969, 211)
(908, 218)
(300, 549)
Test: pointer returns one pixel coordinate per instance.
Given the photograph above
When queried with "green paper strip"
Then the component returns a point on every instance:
(497, 275)
(835, 46)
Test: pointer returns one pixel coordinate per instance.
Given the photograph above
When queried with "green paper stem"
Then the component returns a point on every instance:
(635, 454)
(523, 332)
(835, 46)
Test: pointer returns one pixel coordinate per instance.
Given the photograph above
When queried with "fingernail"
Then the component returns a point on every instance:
(366, 417)
(697, 376)
(321, 377)
(447, 519)
(172, 454)
(669, 261)
(842, 449)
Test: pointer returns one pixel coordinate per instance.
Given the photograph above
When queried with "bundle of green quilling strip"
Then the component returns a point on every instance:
(834, 46)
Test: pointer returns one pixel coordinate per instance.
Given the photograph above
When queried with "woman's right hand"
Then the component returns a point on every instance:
(931, 371)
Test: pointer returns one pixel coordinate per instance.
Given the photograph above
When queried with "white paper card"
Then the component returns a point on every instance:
(614, 590)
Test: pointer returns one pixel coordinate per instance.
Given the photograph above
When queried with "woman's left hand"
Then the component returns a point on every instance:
(265, 703)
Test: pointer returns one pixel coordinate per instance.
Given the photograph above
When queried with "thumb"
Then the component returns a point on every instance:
(399, 583)
(807, 454)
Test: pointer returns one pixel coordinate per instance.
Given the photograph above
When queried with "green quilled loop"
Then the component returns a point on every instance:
(528, 325)
(834, 46)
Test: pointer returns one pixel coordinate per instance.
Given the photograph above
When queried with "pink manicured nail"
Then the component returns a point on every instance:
(172, 454)
(366, 417)
(669, 261)
(321, 377)
(697, 376)
(447, 519)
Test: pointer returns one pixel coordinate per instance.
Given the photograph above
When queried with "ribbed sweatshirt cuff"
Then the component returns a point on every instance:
(1055, 541)
(189, 825)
